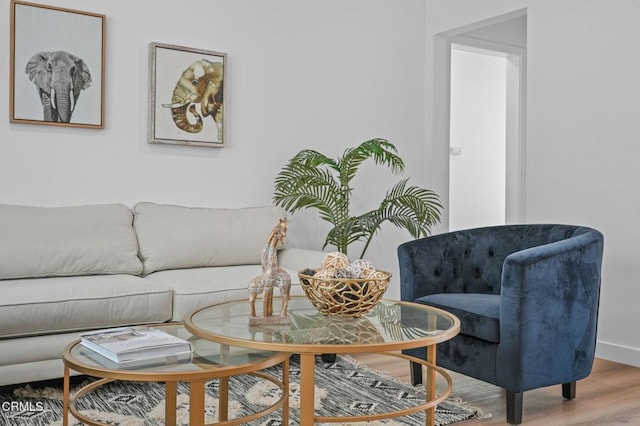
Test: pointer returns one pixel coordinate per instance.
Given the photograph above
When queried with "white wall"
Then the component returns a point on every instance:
(583, 128)
(324, 75)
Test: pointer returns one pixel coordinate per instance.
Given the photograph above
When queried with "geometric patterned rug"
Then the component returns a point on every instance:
(342, 388)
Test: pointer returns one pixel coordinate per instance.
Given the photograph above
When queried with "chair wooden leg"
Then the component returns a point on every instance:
(416, 373)
(569, 390)
(514, 407)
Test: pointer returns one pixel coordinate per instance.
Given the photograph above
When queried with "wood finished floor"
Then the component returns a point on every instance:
(609, 396)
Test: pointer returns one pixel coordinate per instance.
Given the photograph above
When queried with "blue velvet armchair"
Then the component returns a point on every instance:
(527, 298)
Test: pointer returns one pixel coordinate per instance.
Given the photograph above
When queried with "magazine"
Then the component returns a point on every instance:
(128, 344)
(155, 362)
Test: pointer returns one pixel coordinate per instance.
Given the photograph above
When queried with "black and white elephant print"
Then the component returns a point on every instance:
(198, 93)
(59, 78)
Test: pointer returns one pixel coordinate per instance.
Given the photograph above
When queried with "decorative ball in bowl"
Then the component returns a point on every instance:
(337, 292)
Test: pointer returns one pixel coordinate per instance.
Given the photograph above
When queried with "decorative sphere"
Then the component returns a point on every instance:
(335, 261)
(366, 266)
(308, 271)
(344, 273)
(324, 273)
(355, 271)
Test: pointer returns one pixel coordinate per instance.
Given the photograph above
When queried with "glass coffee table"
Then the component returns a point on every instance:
(209, 361)
(389, 328)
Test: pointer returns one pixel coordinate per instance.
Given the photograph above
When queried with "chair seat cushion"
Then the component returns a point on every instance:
(479, 314)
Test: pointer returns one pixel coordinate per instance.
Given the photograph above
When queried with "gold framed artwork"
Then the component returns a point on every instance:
(57, 66)
(186, 96)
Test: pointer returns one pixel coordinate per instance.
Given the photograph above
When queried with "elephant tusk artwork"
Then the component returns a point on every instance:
(197, 94)
(59, 78)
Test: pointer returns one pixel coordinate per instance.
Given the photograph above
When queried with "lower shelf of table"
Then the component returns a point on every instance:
(430, 403)
(196, 401)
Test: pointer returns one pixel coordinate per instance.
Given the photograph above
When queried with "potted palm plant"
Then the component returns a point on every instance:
(313, 180)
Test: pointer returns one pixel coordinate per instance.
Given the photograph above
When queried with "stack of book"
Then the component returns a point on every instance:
(132, 347)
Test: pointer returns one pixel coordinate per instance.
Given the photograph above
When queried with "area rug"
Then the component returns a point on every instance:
(343, 388)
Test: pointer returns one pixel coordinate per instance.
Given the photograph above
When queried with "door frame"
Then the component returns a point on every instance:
(515, 202)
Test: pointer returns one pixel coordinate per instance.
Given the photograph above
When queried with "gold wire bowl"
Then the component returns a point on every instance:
(344, 297)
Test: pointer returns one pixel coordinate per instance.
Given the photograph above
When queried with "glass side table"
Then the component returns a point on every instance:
(209, 361)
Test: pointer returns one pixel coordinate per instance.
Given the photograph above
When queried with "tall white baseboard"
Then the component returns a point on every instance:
(618, 353)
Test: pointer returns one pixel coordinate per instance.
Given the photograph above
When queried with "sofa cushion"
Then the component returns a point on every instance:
(200, 287)
(67, 241)
(175, 237)
(297, 259)
(32, 306)
(479, 314)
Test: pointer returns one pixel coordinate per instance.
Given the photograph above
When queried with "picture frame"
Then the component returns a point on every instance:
(72, 63)
(186, 96)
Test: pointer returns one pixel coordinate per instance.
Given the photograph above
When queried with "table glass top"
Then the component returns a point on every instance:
(206, 355)
(388, 323)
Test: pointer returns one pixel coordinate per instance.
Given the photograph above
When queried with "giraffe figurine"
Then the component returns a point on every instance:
(272, 276)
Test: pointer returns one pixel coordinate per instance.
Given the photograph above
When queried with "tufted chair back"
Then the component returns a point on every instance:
(470, 261)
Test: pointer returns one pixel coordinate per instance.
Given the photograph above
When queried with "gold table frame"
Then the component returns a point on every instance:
(196, 379)
(308, 352)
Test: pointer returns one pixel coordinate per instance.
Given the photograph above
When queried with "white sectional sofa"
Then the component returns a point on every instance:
(65, 270)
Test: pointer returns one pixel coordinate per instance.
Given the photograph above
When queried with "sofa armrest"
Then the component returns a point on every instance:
(297, 259)
(548, 313)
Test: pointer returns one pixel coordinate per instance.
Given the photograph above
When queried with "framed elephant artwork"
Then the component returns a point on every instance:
(186, 96)
(57, 66)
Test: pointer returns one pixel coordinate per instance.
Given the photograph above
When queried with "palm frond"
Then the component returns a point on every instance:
(412, 208)
(313, 159)
(380, 150)
(299, 187)
(344, 234)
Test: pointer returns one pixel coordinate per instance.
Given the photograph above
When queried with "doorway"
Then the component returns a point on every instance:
(483, 67)
(477, 138)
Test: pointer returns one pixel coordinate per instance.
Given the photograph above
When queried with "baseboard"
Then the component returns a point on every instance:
(618, 353)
